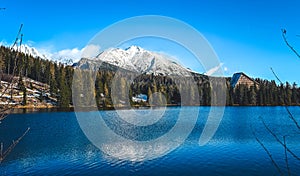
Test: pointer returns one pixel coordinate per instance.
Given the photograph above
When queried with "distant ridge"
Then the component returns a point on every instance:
(137, 59)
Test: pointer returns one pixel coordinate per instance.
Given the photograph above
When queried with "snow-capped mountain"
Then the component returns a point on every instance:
(58, 57)
(137, 59)
(134, 59)
(30, 51)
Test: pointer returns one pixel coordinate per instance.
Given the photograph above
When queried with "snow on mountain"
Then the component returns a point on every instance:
(138, 60)
(134, 59)
(30, 51)
(67, 56)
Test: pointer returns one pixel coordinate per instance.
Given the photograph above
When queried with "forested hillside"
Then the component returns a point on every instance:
(59, 78)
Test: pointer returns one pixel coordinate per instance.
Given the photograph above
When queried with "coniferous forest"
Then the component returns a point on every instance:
(59, 77)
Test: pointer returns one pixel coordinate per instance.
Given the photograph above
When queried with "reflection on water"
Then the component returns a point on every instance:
(57, 145)
(124, 140)
(142, 117)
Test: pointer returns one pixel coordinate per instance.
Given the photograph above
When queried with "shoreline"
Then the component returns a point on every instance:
(40, 109)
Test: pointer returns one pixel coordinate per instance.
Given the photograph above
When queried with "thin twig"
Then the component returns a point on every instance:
(285, 101)
(286, 158)
(277, 139)
(12, 146)
(6, 110)
(17, 38)
(275, 75)
(267, 151)
(287, 43)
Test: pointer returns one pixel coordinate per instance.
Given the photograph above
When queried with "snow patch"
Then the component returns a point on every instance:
(139, 60)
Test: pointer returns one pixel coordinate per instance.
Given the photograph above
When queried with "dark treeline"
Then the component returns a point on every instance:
(58, 76)
(266, 93)
(118, 88)
(107, 87)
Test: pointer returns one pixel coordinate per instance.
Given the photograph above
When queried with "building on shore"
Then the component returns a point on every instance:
(242, 79)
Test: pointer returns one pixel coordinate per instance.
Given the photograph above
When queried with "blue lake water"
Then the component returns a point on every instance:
(56, 145)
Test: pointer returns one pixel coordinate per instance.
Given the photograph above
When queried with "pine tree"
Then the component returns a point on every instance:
(252, 96)
(24, 96)
(288, 93)
(295, 94)
(64, 93)
(281, 95)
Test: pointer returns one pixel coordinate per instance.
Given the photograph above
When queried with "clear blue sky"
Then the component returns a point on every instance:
(245, 34)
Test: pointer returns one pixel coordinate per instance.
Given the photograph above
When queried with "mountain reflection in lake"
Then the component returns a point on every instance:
(57, 145)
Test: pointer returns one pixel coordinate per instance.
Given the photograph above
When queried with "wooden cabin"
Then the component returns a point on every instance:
(242, 79)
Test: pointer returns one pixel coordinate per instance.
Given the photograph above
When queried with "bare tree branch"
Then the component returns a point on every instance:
(277, 139)
(285, 101)
(287, 43)
(10, 82)
(11, 147)
(286, 149)
(17, 38)
(286, 158)
(5, 110)
(275, 75)
(267, 151)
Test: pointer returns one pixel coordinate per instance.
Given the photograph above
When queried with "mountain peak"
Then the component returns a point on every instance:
(137, 59)
(26, 49)
(67, 57)
(134, 48)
